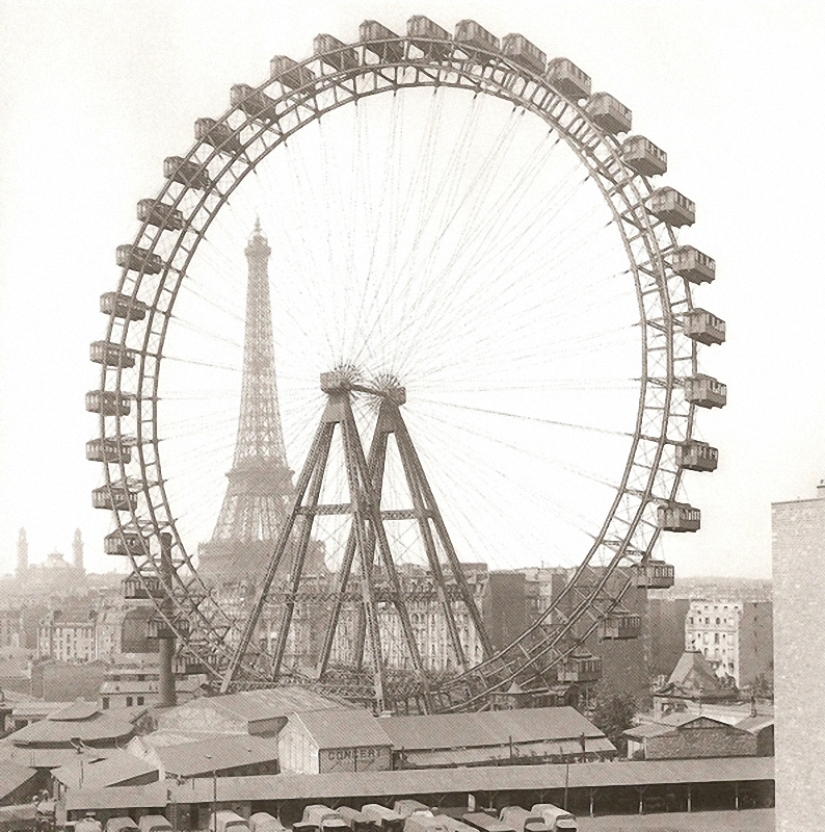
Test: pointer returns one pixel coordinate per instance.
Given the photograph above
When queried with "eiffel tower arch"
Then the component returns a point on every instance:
(260, 481)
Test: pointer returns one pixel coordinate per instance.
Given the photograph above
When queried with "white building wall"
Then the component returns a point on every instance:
(799, 648)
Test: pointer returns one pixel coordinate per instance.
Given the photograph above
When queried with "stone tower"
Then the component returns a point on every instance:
(77, 551)
(22, 555)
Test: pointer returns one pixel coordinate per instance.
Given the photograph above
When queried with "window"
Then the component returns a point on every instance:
(140, 700)
(105, 703)
(128, 701)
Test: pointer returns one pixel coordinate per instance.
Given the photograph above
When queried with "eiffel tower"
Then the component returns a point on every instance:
(260, 481)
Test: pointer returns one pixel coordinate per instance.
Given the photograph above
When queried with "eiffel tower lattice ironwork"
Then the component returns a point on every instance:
(260, 481)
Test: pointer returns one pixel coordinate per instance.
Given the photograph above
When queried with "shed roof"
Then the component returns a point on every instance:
(344, 728)
(100, 771)
(488, 728)
(755, 724)
(216, 754)
(323, 787)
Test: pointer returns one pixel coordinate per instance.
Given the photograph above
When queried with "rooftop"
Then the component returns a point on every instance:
(488, 728)
(95, 770)
(322, 787)
(217, 754)
(344, 728)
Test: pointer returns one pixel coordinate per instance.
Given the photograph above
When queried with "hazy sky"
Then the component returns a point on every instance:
(96, 94)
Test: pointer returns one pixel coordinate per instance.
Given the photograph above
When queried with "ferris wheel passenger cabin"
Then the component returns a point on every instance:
(138, 259)
(108, 403)
(108, 450)
(289, 73)
(392, 49)
(696, 456)
(122, 306)
(141, 587)
(185, 172)
(609, 113)
(123, 543)
(159, 628)
(523, 52)
(654, 574)
(221, 136)
(471, 34)
(672, 207)
(703, 326)
(114, 498)
(255, 103)
(422, 31)
(620, 625)
(159, 214)
(580, 667)
(693, 265)
(112, 355)
(571, 81)
(334, 53)
(679, 517)
(705, 391)
(644, 157)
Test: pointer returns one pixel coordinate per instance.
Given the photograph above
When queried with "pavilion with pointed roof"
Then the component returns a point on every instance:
(692, 680)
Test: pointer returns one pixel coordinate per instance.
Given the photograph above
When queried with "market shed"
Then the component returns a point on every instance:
(316, 742)
(534, 735)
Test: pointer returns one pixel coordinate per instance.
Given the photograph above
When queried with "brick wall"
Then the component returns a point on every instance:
(701, 738)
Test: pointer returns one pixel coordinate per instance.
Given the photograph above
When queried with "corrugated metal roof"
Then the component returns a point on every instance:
(488, 728)
(189, 759)
(343, 729)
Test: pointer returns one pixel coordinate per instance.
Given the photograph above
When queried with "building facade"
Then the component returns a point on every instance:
(736, 637)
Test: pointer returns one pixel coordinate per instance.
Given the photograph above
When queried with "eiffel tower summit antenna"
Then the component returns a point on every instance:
(260, 481)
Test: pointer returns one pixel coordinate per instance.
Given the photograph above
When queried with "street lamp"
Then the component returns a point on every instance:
(213, 823)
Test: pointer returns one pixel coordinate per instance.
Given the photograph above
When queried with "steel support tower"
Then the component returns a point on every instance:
(260, 481)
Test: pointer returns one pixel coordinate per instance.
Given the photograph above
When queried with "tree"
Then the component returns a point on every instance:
(613, 713)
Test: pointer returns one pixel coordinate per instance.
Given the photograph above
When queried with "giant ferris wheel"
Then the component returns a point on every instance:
(480, 262)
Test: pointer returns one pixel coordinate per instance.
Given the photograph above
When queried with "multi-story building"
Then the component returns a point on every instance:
(736, 637)
(67, 635)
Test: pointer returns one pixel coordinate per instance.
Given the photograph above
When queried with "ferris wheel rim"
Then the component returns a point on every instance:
(479, 77)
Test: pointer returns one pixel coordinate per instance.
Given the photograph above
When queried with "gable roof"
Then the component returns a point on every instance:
(77, 710)
(343, 729)
(246, 707)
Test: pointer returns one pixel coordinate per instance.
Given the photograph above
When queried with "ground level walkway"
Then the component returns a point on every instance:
(747, 820)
